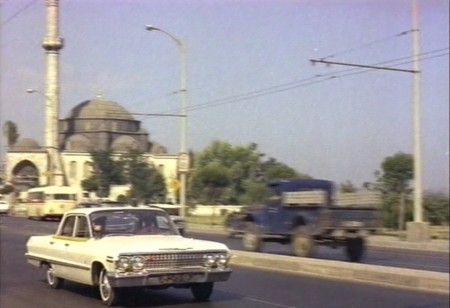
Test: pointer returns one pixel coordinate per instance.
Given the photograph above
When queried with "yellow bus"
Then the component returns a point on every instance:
(50, 201)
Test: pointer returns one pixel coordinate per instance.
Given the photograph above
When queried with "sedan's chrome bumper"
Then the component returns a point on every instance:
(168, 277)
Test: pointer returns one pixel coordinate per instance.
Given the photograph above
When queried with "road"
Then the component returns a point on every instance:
(393, 257)
(24, 286)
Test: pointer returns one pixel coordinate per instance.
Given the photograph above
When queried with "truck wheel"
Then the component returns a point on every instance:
(302, 243)
(252, 239)
(53, 281)
(202, 291)
(109, 295)
(355, 248)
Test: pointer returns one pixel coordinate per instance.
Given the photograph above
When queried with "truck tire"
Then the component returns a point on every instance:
(302, 243)
(252, 238)
(355, 248)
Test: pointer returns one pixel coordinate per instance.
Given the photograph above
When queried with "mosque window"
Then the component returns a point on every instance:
(73, 170)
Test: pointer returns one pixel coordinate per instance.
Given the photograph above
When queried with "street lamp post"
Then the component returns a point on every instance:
(183, 134)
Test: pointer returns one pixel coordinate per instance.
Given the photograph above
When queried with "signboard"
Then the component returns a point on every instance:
(174, 184)
(183, 162)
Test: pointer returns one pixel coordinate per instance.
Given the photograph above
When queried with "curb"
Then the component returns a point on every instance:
(398, 277)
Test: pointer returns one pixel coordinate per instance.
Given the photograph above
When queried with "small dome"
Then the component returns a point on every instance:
(99, 108)
(26, 144)
(124, 143)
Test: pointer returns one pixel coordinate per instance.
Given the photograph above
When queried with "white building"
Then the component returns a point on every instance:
(93, 125)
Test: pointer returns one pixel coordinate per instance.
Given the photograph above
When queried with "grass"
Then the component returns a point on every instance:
(206, 220)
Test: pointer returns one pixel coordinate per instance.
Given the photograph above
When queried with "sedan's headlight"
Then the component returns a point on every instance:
(123, 263)
(222, 260)
(209, 260)
(216, 259)
(138, 263)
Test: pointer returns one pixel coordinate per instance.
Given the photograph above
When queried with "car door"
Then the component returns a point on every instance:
(76, 250)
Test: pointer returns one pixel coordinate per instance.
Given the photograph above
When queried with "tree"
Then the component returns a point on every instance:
(394, 181)
(273, 169)
(213, 179)
(246, 169)
(347, 187)
(146, 182)
(240, 163)
(436, 208)
(106, 171)
(11, 133)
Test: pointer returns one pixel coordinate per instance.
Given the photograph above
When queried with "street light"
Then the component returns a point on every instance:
(183, 160)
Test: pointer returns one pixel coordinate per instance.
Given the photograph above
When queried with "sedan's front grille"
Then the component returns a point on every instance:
(173, 260)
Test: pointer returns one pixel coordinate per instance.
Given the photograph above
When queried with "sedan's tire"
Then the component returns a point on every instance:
(252, 238)
(110, 296)
(202, 291)
(53, 281)
(302, 243)
(355, 248)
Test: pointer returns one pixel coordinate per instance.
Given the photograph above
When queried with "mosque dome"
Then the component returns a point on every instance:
(26, 144)
(99, 108)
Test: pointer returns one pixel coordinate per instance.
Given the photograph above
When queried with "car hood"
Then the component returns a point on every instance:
(155, 244)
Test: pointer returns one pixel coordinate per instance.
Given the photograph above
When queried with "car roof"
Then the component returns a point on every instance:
(90, 210)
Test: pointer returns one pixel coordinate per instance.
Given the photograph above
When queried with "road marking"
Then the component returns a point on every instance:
(271, 304)
(251, 299)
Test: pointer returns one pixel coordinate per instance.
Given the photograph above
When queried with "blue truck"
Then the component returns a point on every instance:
(305, 213)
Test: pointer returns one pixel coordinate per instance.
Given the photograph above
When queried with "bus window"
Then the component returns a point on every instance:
(63, 197)
(37, 196)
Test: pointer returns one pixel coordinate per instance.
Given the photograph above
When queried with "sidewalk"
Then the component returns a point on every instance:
(372, 241)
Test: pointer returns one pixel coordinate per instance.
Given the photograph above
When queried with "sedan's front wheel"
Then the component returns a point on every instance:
(53, 281)
(202, 291)
(108, 294)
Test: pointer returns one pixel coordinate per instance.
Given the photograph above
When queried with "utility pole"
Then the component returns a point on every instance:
(417, 231)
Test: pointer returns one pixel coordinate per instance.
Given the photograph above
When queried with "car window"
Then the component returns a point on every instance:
(82, 229)
(68, 226)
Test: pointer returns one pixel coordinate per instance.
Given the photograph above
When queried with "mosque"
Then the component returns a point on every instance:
(93, 125)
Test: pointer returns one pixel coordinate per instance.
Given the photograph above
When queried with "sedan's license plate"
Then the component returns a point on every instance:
(175, 278)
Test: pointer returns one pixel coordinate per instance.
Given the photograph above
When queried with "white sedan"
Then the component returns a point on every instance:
(119, 249)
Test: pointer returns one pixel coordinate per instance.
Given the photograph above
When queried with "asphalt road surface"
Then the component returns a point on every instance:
(23, 286)
(393, 257)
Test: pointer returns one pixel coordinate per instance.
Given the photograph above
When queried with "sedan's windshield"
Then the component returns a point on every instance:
(131, 222)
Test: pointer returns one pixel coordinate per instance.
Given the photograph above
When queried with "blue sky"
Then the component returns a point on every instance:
(249, 77)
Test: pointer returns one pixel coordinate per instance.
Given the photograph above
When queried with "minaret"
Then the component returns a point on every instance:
(52, 44)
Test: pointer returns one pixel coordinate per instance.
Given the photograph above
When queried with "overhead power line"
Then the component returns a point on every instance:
(23, 9)
(367, 44)
(314, 80)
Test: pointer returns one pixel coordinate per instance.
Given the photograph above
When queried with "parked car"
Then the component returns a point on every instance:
(119, 249)
(4, 207)
(174, 212)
